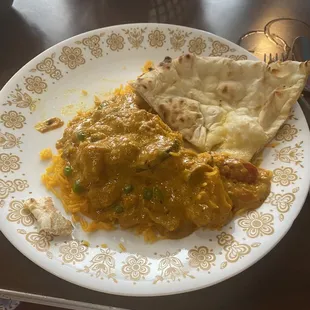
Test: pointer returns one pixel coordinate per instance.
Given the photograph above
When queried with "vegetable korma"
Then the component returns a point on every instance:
(121, 165)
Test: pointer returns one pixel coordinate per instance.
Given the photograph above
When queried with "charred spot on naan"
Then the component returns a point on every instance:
(250, 96)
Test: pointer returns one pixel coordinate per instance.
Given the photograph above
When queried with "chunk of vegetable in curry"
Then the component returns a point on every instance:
(49, 124)
(133, 171)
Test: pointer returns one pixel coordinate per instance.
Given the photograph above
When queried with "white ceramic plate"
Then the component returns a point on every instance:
(98, 61)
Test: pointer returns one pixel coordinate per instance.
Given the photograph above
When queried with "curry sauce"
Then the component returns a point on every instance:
(131, 170)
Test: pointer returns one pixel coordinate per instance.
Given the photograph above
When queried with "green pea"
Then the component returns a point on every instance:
(81, 136)
(158, 194)
(147, 194)
(67, 171)
(77, 187)
(128, 188)
(175, 147)
(118, 209)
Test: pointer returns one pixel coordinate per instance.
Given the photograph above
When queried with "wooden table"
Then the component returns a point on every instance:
(278, 281)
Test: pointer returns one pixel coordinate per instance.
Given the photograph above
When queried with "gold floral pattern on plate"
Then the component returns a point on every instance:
(284, 176)
(156, 38)
(257, 224)
(72, 57)
(13, 120)
(238, 57)
(290, 154)
(218, 48)
(102, 264)
(35, 84)
(47, 65)
(197, 45)
(224, 238)
(49, 255)
(234, 249)
(136, 268)
(171, 269)
(178, 38)
(2, 203)
(72, 252)
(286, 133)
(9, 162)
(283, 202)
(135, 36)
(7, 187)
(93, 43)
(21, 99)
(39, 240)
(20, 215)
(115, 42)
(201, 258)
(9, 141)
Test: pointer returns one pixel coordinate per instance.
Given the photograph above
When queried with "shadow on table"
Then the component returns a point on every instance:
(20, 42)
(97, 14)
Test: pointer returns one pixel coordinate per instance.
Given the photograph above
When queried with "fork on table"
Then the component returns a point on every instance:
(269, 58)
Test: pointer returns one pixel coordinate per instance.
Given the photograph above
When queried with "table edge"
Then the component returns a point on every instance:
(52, 301)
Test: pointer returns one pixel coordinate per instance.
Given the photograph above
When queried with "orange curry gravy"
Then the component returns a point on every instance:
(134, 172)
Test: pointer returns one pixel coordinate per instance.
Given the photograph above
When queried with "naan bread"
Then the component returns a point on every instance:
(223, 105)
(48, 217)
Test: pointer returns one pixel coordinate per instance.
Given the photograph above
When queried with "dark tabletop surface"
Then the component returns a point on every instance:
(281, 280)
